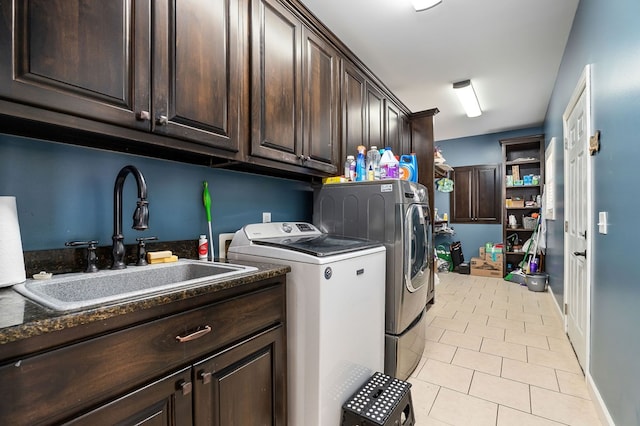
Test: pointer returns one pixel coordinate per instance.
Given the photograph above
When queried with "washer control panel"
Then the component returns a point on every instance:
(279, 229)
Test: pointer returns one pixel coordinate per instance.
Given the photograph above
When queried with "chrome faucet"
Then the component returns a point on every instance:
(140, 215)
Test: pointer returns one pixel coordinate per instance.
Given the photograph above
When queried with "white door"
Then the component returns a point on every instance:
(578, 202)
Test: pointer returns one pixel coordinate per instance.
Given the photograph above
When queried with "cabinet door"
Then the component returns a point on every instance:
(198, 72)
(476, 194)
(488, 208)
(375, 117)
(353, 109)
(321, 102)
(87, 58)
(165, 402)
(244, 385)
(393, 129)
(461, 197)
(276, 103)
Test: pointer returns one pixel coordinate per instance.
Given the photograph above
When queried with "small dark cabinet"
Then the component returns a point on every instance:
(476, 194)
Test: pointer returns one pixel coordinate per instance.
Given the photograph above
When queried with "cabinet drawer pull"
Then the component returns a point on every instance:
(195, 335)
(206, 377)
(185, 387)
(143, 116)
(162, 120)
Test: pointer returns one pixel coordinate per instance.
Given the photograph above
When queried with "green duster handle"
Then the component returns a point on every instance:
(206, 200)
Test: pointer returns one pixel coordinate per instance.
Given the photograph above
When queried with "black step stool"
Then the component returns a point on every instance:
(381, 401)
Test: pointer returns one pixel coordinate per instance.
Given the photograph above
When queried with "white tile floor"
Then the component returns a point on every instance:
(497, 355)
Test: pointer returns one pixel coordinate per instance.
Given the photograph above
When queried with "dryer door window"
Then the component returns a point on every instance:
(417, 246)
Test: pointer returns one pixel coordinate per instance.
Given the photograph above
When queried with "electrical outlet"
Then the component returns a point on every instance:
(266, 217)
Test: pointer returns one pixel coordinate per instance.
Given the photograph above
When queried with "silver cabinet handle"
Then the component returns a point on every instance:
(143, 116)
(195, 335)
(206, 377)
(185, 387)
(162, 120)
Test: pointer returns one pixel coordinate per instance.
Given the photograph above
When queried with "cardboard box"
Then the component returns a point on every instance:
(493, 254)
(494, 273)
(517, 202)
(476, 262)
(494, 257)
(485, 268)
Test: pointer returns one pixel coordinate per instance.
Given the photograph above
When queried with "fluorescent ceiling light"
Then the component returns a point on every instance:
(424, 4)
(468, 98)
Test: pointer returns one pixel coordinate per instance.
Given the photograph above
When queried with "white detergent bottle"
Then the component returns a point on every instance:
(389, 166)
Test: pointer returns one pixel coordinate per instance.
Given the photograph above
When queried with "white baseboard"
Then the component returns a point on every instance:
(598, 402)
(555, 303)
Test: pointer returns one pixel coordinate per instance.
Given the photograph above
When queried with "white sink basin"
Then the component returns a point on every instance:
(68, 292)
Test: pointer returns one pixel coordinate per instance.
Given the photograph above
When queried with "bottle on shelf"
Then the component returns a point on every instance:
(361, 168)
(389, 167)
(373, 163)
(350, 168)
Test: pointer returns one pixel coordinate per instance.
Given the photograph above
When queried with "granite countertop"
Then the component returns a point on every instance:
(22, 318)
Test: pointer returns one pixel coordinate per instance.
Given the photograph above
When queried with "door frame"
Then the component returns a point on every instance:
(584, 85)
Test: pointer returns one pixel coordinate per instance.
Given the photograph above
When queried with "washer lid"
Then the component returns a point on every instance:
(319, 245)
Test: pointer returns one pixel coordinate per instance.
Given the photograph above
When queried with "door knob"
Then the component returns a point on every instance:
(162, 120)
(580, 253)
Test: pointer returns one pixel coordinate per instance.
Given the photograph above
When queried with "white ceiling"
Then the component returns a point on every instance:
(510, 49)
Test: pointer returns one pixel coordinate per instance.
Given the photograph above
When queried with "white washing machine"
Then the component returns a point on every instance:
(335, 312)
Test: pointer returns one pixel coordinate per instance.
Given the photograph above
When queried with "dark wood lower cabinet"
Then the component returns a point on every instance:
(164, 402)
(240, 386)
(162, 371)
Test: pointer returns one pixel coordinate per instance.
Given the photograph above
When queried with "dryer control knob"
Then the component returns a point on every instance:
(286, 228)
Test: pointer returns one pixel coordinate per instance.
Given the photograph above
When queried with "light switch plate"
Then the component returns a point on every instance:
(603, 218)
(266, 217)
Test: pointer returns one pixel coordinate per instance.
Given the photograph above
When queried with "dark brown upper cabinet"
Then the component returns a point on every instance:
(88, 58)
(476, 194)
(374, 131)
(365, 113)
(353, 109)
(396, 129)
(199, 93)
(95, 59)
(295, 90)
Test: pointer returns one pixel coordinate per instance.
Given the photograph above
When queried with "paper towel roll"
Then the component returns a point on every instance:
(11, 256)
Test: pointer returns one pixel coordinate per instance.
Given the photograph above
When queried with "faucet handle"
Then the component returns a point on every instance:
(142, 252)
(92, 257)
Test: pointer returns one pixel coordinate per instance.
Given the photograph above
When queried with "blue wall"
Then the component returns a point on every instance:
(606, 34)
(65, 193)
(470, 151)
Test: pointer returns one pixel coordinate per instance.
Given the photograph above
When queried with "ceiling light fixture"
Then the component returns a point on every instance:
(420, 5)
(468, 98)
